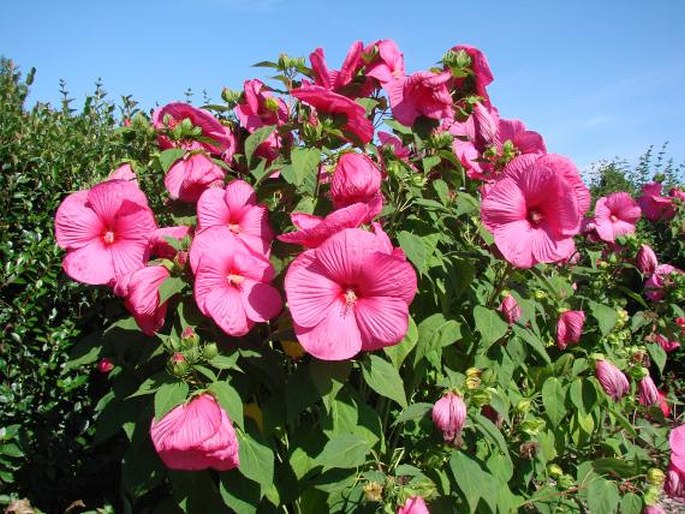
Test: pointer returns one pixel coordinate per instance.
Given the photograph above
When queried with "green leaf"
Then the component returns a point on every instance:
(256, 460)
(490, 325)
(436, 332)
(169, 396)
(151, 384)
(658, 355)
(170, 287)
(239, 493)
(383, 378)
(583, 395)
(602, 496)
(225, 361)
(419, 249)
(344, 451)
(168, 157)
(413, 411)
(11, 450)
(614, 467)
(631, 503)
(553, 396)
(255, 139)
(400, 351)
(230, 400)
(606, 317)
(534, 342)
(473, 482)
(305, 166)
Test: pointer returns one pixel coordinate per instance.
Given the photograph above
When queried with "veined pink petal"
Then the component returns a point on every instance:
(226, 309)
(90, 264)
(261, 301)
(348, 217)
(343, 255)
(76, 224)
(212, 209)
(212, 241)
(382, 321)
(127, 255)
(676, 440)
(310, 292)
(304, 221)
(388, 276)
(336, 337)
(107, 197)
(504, 204)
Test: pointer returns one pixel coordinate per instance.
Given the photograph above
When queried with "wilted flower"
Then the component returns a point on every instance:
(314, 230)
(665, 343)
(259, 107)
(612, 380)
(654, 206)
(388, 63)
(140, 290)
(655, 283)
(175, 113)
(449, 415)
(196, 435)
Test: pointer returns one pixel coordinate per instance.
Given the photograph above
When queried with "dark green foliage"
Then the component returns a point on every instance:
(44, 154)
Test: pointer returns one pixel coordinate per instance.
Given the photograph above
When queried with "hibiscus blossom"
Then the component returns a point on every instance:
(314, 230)
(421, 94)
(231, 281)
(105, 232)
(616, 215)
(259, 108)
(387, 64)
(190, 176)
(236, 207)
(174, 113)
(196, 435)
(569, 328)
(655, 206)
(350, 294)
(141, 292)
(333, 79)
(533, 210)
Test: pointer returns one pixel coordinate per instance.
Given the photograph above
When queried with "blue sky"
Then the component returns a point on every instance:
(596, 79)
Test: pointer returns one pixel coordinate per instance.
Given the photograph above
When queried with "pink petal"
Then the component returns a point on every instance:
(336, 337)
(309, 290)
(226, 308)
(261, 301)
(342, 255)
(212, 209)
(239, 194)
(382, 321)
(76, 224)
(90, 264)
(128, 255)
(504, 204)
(388, 276)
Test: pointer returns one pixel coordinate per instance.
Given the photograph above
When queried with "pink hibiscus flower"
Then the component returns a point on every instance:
(196, 435)
(357, 179)
(333, 79)
(655, 284)
(525, 141)
(174, 113)
(616, 215)
(413, 505)
(510, 309)
(141, 292)
(236, 207)
(533, 211)
(160, 247)
(259, 108)
(481, 76)
(231, 281)
(675, 476)
(401, 152)
(190, 176)
(105, 232)
(646, 260)
(421, 94)
(612, 379)
(647, 391)
(569, 328)
(357, 126)
(449, 415)
(388, 62)
(124, 172)
(349, 294)
(653, 205)
(314, 230)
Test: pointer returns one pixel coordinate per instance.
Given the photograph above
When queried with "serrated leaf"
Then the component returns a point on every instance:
(413, 411)
(255, 139)
(383, 378)
(256, 460)
(490, 326)
(230, 400)
(170, 287)
(168, 157)
(344, 451)
(169, 396)
(553, 396)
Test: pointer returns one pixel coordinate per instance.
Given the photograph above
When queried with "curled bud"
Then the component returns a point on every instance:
(105, 365)
(648, 393)
(554, 471)
(646, 260)
(449, 415)
(510, 309)
(569, 328)
(612, 380)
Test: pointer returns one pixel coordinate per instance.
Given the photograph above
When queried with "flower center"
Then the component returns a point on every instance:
(234, 279)
(613, 218)
(350, 297)
(234, 227)
(108, 237)
(534, 216)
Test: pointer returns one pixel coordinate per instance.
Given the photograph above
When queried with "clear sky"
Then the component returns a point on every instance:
(597, 79)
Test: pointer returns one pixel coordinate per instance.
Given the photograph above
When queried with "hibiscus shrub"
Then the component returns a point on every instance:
(362, 290)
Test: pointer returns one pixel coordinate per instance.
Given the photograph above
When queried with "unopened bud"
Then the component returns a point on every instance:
(480, 397)
(532, 427)
(210, 351)
(523, 406)
(105, 365)
(472, 382)
(178, 365)
(539, 294)
(473, 372)
(193, 354)
(656, 477)
(189, 338)
(566, 482)
(554, 471)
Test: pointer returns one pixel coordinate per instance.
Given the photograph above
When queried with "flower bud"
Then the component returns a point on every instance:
(566, 482)
(612, 380)
(449, 415)
(648, 393)
(178, 365)
(189, 338)
(569, 328)
(472, 382)
(210, 351)
(510, 309)
(554, 471)
(533, 426)
(193, 355)
(474, 372)
(373, 492)
(105, 365)
(655, 477)
(646, 260)
(480, 398)
(539, 294)
(523, 406)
